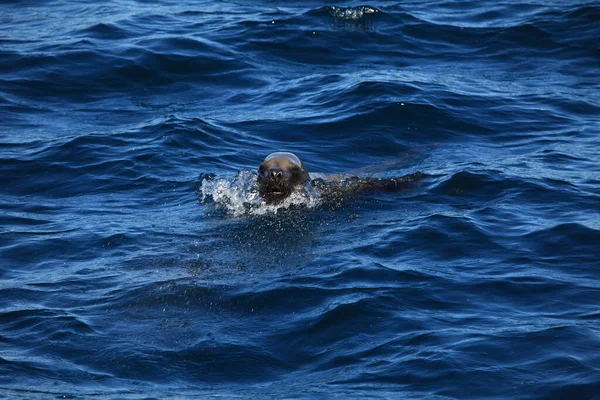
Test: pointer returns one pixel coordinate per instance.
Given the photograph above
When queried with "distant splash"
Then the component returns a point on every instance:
(239, 195)
(351, 13)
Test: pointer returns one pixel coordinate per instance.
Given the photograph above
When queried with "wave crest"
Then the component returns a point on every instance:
(351, 13)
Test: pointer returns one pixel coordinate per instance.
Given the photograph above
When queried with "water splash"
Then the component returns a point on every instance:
(351, 13)
(239, 195)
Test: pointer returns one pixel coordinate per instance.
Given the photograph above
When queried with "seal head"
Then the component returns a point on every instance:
(279, 175)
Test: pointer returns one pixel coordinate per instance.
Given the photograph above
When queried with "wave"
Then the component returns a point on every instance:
(351, 13)
(138, 258)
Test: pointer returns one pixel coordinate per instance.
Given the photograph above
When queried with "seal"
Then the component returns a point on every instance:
(279, 175)
(282, 173)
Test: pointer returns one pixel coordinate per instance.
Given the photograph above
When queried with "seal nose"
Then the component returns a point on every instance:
(275, 174)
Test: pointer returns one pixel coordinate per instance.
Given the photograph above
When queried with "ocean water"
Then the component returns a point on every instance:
(137, 261)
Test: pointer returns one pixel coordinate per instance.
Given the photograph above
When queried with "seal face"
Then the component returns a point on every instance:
(278, 175)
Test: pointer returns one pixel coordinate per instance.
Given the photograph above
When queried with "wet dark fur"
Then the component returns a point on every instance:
(282, 173)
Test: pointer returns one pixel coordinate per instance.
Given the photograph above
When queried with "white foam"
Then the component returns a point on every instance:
(239, 196)
(351, 13)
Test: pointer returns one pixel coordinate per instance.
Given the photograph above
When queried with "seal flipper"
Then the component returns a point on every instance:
(401, 184)
(354, 185)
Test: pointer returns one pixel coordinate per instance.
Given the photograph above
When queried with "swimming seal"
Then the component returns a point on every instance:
(282, 173)
(279, 175)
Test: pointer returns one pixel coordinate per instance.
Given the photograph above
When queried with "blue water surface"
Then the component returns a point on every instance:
(138, 263)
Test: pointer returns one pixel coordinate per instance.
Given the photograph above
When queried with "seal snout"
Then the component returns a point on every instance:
(272, 175)
(275, 179)
(275, 174)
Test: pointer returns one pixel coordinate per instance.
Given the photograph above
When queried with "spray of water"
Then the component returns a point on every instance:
(239, 195)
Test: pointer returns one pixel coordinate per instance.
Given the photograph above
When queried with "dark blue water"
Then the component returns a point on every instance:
(136, 264)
